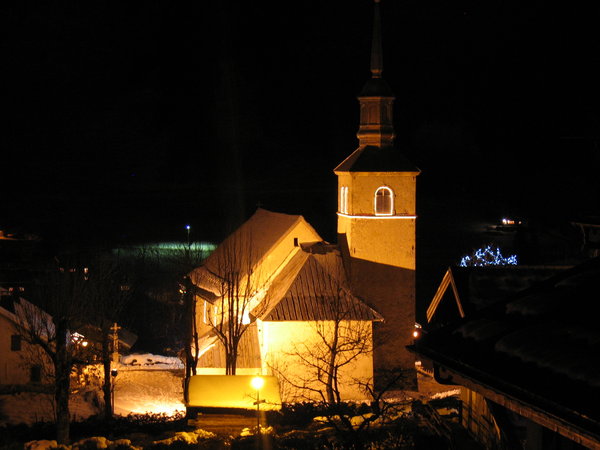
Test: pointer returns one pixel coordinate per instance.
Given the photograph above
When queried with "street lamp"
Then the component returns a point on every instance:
(188, 228)
(258, 383)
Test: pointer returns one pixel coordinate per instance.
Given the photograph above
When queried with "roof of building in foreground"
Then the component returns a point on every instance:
(464, 290)
(538, 349)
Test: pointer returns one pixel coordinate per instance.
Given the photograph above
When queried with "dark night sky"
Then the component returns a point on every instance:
(127, 122)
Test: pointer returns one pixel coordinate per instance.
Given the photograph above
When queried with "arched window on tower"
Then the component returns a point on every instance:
(344, 199)
(384, 201)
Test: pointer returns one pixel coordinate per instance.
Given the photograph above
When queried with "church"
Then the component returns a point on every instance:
(331, 321)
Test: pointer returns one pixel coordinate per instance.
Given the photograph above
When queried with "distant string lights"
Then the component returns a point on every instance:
(488, 256)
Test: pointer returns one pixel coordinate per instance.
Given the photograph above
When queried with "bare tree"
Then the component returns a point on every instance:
(108, 293)
(341, 332)
(326, 361)
(231, 274)
(61, 298)
(191, 347)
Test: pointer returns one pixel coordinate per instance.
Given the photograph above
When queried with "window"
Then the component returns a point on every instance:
(344, 199)
(35, 374)
(15, 343)
(384, 201)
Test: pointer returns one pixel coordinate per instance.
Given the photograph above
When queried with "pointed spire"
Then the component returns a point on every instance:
(376, 52)
(376, 98)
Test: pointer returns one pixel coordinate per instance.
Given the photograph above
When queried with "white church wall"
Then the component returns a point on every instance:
(284, 346)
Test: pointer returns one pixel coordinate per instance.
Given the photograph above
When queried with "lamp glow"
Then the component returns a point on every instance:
(257, 383)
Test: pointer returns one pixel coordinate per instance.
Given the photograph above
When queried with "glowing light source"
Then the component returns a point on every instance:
(78, 339)
(488, 256)
(508, 221)
(257, 383)
(239, 391)
(417, 331)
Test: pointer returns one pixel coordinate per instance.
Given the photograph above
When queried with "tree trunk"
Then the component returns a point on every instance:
(228, 363)
(191, 335)
(234, 355)
(62, 368)
(106, 388)
(331, 369)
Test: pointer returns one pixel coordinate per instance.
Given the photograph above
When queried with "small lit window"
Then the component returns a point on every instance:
(205, 313)
(384, 201)
(15, 343)
(344, 199)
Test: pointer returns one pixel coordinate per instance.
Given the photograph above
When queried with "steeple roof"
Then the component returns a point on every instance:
(376, 86)
(376, 152)
(370, 158)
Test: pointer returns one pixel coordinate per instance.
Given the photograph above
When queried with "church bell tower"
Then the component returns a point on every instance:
(376, 224)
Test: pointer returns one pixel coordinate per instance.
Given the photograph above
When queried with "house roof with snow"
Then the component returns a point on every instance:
(314, 287)
(303, 276)
(23, 313)
(464, 290)
(250, 245)
(536, 352)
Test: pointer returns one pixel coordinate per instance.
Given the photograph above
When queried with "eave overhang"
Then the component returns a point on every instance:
(577, 427)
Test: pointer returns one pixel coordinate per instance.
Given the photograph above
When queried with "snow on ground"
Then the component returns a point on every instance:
(154, 391)
(151, 383)
(31, 407)
(150, 361)
(145, 383)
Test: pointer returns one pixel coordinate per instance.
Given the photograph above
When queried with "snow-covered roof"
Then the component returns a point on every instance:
(314, 287)
(247, 247)
(540, 346)
(305, 280)
(464, 290)
(23, 313)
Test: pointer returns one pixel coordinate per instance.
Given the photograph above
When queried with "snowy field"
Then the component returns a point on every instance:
(145, 383)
